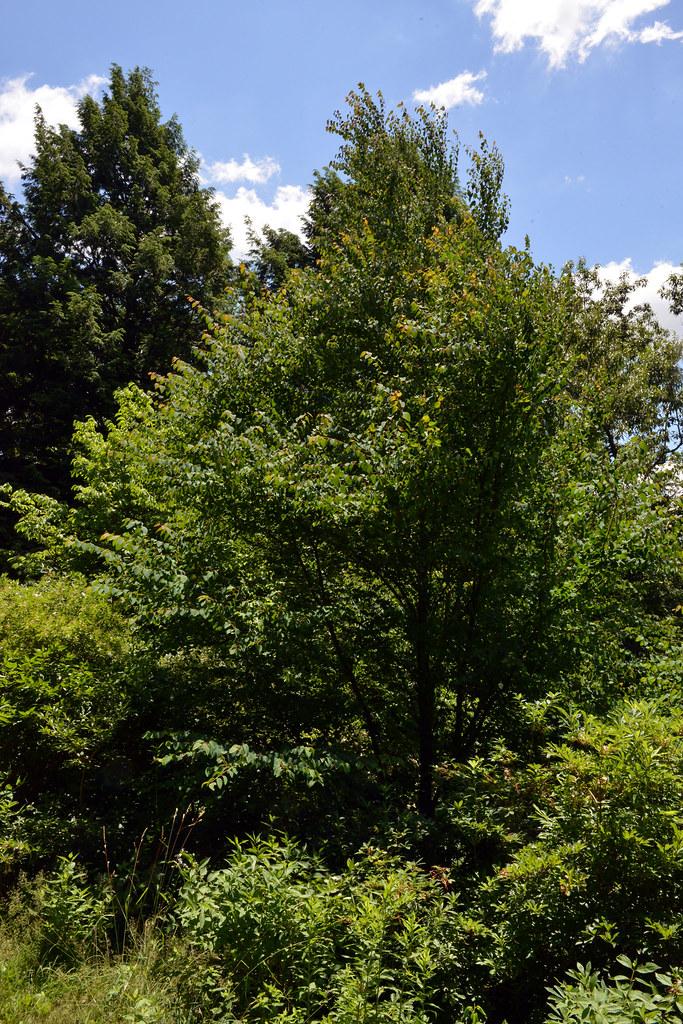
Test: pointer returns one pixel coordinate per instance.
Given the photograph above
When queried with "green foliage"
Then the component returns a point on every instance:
(14, 830)
(96, 264)
(486, 200)
(603, 870)
(152, 984)
(223, 764)
(59, 694)
(74, 918)
(645, 994)
(394, 563)
(385, 497)
(394, 175)
(63, 652)
(628, 363)
(64, 611)
(274, 253)
(306, 944)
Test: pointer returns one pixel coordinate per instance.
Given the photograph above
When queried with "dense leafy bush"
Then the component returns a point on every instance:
(602, 867)
(14, 829)
(644, 995)
(300, 943)
(60, 648)
(63, 655)
(75, 918)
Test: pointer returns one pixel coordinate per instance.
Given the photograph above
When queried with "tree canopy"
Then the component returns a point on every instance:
(113, 232)
(386, 489)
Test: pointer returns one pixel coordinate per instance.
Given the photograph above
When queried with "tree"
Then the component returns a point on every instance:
(629, 369)
(380, 510)
(276, 252)
(96, 263)
(367, 181)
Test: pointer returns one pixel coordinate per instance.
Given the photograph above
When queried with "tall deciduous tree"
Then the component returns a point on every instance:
(96, 263)
(385, 502)
(629, 369)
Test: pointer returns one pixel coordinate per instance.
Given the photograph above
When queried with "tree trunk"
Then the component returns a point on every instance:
(425, 703)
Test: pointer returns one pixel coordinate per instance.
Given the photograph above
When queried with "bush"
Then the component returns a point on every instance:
(75, 917)
(642, 995)
(605, 869)
(60, 648)
(63, 653)
(301, 943)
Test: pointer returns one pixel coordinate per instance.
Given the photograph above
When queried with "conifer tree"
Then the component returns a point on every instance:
(113, 234)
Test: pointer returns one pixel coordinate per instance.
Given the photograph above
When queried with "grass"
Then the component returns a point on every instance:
(153, 983)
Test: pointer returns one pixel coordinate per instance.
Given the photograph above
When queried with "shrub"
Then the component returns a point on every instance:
(74, 916)
(605, 869)
(642, 995)
(301, 943)
(63, 653)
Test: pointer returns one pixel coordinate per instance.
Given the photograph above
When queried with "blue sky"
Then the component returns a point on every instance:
(583, 97)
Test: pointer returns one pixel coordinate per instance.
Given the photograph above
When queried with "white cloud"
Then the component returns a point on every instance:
(657, 32)
(453, 93)
(256, 171)
(17, 111)
(289, 205)
(571, 28)
(654, 279)
(578, 180)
